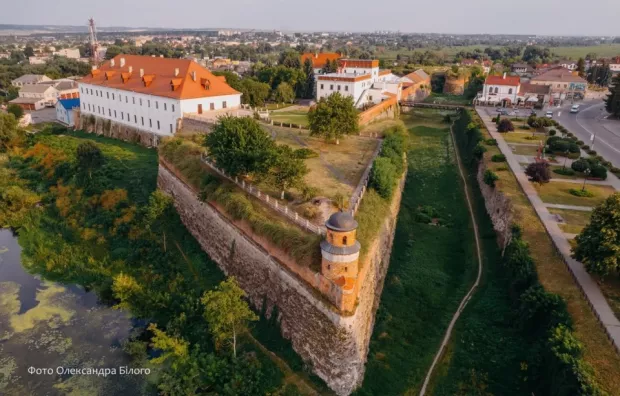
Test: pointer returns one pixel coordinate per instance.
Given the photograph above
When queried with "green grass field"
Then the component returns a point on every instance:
(431, 266)
(558, 193)
(299, 117)
(440, 98)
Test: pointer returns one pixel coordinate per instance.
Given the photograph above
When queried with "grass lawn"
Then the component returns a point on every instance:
(554, 175)
(276, 106)
(523, 137)
(555, 278)
(441, 98)
(339, 167)
(297, 116)
(524, 150)
(575, 219)
(611, 289)
(558, 193)
(602, 50)
(431, 266)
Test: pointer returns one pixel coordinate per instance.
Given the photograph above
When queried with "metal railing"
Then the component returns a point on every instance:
(273, 203)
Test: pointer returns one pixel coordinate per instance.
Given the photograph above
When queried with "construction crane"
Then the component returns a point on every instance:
(94, 44)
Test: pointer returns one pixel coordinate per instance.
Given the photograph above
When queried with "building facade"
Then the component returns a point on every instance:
(500, 90)
(153, 94)
(29, 79)
(72, 53)
(64, 111)
(319, 60)
(564, 83)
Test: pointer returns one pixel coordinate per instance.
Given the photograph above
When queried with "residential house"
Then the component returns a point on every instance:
(568, 64)
(38, 60)
(468, 62)
(614, 64)
(64, 110)
(72, 53)
(564, 83)
(36, 96)
(220, 63)
(360, 79)
(319, 60)
(487, 64)
(534, 95)
(29, 79)
(5, 55)
(521, 68)
(153, 94)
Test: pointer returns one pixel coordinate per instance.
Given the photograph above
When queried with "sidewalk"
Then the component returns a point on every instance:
(588, 286)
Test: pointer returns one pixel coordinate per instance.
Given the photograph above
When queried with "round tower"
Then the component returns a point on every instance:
(340, 250)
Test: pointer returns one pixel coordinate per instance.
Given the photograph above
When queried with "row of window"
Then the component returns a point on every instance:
(331, 87)
(496, 90)
(124, 116)
(99, 93)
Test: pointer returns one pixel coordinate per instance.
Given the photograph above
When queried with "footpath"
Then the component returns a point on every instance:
(588, 286)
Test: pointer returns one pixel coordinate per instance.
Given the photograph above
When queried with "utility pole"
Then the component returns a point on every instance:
(94, 44)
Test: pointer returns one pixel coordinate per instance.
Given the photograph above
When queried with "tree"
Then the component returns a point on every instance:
(383, 176)
(28, 51)
(112, 51)
(286, 170)
(240, 146)
(8, 131)
(290, 58)
(598, 244)
(227, 313)
(505, 125)
(309, 85)
(612, 102)
(89, 157)
(581, 67)
(254, 92)
(599, 75)
(16, 110)
(284, 93)
(330, 67)
(333, 116)
(538, 172)
(155, 211)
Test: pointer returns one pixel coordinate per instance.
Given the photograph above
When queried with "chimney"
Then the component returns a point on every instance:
(122, 62)
(504, 76)
(194, 75)
(130, 69)
(141, 72)
(161, 56)
(112, 62)
(94, 67)
(176, 72)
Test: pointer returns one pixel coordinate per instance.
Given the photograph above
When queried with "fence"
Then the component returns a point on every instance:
(269, 201)
(358, 194)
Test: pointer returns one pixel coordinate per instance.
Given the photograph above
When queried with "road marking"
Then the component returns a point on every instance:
(599, 139)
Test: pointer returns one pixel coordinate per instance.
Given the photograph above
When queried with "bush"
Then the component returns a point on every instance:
(580, 193)
(569, 134)
(564, 171)
(552, 132)
(505, 125)
(490, 178)
(308, 192)
(579, 143)
(614, 170)
(498, 158)
(447, 119)
(591, 152)
(598, 171)
(526, 127)
(383, 177)
(585, 147)
(501, 168)
(599, 158)
(573, 148)
(574, 155)
(606, 164)
(580, 165)
(491, 142)
(16, 110)
(479, 151)
(305, 153)
(538, 172)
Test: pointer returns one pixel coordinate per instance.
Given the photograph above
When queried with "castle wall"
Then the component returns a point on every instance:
(334, 345)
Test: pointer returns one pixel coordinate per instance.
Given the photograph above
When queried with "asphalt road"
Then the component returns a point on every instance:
(591, 126)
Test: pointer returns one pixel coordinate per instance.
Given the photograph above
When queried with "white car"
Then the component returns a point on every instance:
(574, 109)
(549, 114)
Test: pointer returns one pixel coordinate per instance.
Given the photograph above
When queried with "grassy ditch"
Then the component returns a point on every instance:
(432, 264)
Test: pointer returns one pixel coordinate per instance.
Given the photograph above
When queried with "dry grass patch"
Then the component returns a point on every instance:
(575, 219)
(524, 150)
(523, 137)
(559, 193)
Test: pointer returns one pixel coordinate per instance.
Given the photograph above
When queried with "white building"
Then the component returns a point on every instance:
(500, 89)
(152, 94)
(360, 79)
(64, 110)
(38, 60)
(28, 79)
(72, 53)
(36, 96)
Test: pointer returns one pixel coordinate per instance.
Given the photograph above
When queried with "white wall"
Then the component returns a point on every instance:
(503, 92)
(64, 115)
(191, 105)
(353, 89)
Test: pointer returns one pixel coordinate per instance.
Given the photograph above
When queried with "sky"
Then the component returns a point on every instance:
(540, 17)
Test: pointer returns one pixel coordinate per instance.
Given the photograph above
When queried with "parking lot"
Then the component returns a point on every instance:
(47, 114)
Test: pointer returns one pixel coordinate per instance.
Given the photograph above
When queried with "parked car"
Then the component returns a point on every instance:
(503, 112)
(549, 114)
(574, 109)
(533, 112)
(499, 109)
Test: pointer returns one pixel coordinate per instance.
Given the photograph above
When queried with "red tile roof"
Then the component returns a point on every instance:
(158, 77)
(320, 59)
(511, 81)
(364, 63)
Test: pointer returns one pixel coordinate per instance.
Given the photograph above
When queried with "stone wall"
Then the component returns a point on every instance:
(108, 128)
(335, 346)
(498, 207)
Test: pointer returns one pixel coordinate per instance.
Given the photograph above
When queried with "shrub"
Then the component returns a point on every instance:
(580, 165)
(598, 171)
(564, 171)
(383, 177)
(305, 153)
(585, 147)
(579, 143)
(574, 138)
(526, 127)
(599, 158)
(447, 119)
(569, 134)
(16, 110)
(308, 192)
(498, 158)
(574, 155)
(491, 142)
(501, 168)
(606, 164)
(614, 170)
(573, 148)
(538, 172)
(580, 193)
(505, 125)
(479, 151)
(591, 152)
(490, 178)
(552, 132)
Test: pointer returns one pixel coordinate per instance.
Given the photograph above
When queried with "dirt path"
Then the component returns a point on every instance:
(471, 291)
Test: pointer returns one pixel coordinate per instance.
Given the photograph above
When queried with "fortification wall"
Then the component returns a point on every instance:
(100, 126)
(335, 346)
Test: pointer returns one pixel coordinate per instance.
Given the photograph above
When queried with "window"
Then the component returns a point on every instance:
(170, 128)
(140, 101)
(331, 87)
(346, 88)
(344, 240)
(165, 107)
(172, 107)
(157, 125)
(109, 113)
(142, 121)
(329, 266)
(149, 102)
(346, 269)
(120, 98)
(321, 86)
(115, 114)
(338, 87)
(211, 106)
(157, 105)
(107, 94)
(150, 123)
(112, 96)
(495, 89)
(134, 100)
(510, 91)
(122, 116)
(84, 105)
(223, 104)
(81, 90)
(126, 99)
(135, 118)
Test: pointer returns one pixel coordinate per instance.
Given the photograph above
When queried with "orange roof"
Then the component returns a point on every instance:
(327, 77)
(158, 77)
(365, 63)
(414, 77)
(384, 72)
(511, 81)
(320, 59)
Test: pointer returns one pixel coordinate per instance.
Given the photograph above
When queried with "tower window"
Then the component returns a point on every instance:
(329, 266)
(344, 240)
(346, 269)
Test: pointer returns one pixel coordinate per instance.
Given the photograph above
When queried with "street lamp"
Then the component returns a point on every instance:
(586, 172)
(565, 159)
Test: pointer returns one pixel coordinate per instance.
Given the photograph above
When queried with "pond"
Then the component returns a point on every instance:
(59, 332)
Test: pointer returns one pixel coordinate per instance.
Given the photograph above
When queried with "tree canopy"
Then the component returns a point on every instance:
(89, 157)
(9, 131)
(612, 102)
(284, 93)
(333, 117)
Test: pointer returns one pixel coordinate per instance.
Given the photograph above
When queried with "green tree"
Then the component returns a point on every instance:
(383, 177)
(240, 146)
(89, 157)
(155, 211)
(290, 58)
(227, 313)
(8, 131)
(581, 67)
(16, 110)
(330, 66)
(28, 51)
(505, 125)
(598, 244)
(310, 83)
(286, 169)
(254, 92)
(284, 93)
(112, 51)
(333, 117)
(612, 102)
(538, 172)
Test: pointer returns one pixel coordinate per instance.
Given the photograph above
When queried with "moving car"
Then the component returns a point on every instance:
(574, 109)
(549, 114)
